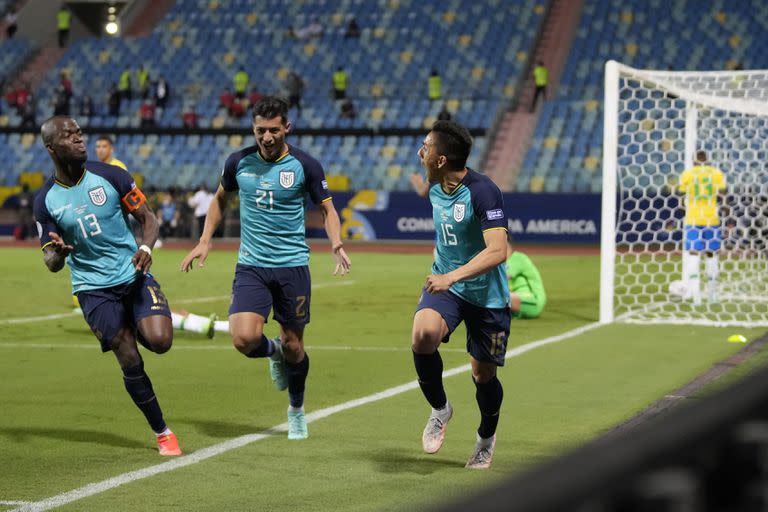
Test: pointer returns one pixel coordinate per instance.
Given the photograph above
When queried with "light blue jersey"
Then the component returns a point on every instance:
(91, 217)
(461, 217)
(273, 196)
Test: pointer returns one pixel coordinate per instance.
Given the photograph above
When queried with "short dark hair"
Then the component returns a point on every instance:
(105, 137)
(701, 156)
(453, 141)
(271, 106)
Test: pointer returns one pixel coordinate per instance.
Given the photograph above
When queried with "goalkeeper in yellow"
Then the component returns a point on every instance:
(701, 184)
(527, 297)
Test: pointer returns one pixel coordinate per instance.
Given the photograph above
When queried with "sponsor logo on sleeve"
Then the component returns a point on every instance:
(324, 183)
(494, 214)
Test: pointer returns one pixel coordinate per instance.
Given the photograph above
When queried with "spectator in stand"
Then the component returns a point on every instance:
(189, 117)
(142, 82)
(168, 215)
(237, 109)
(254, 96)
(294, 86)
(444, 114)
(353, 29)
(28, 113)
(347, 109)
(63, 22)
(113, 100)
(23, 96)
(86, 107)
(147, 114)
(339, 80)
(25, 217)
(162, 92)
(124, 85)
(435, 86)
(60, 102)
(314, 29)
(540, 79)
(240, 82)
(226, 99)
(200, 202)
(10, 96)
(11, 26)
(65, 83)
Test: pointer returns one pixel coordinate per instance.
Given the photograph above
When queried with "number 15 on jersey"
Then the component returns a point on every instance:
(449, 238)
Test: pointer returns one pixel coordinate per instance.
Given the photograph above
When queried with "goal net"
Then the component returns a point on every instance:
(693, 249)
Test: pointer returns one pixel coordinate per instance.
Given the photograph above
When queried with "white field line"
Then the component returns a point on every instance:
(224, 346)
(12, 502)
(238, 442)
(30, 319)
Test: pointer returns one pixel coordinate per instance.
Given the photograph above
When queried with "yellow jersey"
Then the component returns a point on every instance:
(701, 185)
(118, 163)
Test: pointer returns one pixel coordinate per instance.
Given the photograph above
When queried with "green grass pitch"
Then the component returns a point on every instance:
(66, 420)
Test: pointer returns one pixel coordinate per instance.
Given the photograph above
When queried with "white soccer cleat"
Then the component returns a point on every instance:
(483, 453)
(434, 432)
(297, 425)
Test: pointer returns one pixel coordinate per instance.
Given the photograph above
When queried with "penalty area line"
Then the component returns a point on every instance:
(238, 442)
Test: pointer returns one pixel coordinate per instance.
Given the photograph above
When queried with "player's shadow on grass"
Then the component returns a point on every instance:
(223, 429)
(73, 435)
(410, 461)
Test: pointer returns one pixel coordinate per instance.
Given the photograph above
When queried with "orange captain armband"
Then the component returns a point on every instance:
(134, 199)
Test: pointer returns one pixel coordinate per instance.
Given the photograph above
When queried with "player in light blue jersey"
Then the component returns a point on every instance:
(82, 219)
(273, 180)
(468, 283)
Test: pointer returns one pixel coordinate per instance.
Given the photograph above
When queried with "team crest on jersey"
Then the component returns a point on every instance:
(459, 209)
(286, 178)
(98, 196)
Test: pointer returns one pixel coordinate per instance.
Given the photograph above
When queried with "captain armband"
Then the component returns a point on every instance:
(134, 199)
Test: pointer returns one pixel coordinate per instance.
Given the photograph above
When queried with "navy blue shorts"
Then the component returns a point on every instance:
(259, 289)
(108, 310)
(487, 328)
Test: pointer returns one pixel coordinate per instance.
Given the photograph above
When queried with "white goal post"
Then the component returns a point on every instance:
(658, 124)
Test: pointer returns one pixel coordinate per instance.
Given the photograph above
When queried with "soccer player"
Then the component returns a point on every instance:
(527, 297)
(468, 283)
(273, 180)
(701, 184)
(81, 215)
(105, 151)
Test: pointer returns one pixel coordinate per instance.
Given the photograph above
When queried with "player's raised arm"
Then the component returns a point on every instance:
(212, 220)
(333, 229)
(493, 255)
(419, 184)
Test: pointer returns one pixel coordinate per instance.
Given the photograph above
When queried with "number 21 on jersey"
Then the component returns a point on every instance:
(262, 201)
